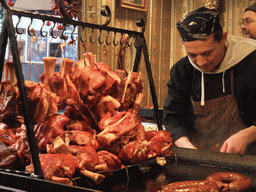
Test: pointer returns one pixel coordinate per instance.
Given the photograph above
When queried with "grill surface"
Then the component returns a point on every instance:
(149, 177)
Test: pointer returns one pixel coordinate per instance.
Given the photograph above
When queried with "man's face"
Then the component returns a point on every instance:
(248, 25)
(207, 54)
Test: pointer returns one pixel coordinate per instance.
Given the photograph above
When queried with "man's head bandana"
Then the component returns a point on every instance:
(199, 24)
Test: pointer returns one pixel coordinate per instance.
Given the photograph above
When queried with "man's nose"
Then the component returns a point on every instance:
(201, 60)
(243, 26)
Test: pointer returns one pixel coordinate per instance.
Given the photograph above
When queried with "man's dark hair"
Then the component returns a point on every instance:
(218, 34)
(251, 8)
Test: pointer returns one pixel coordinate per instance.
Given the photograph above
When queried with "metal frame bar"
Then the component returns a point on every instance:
(9, 32)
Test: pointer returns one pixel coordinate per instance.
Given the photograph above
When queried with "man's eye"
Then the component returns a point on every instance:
(246, 22)
(206, 54)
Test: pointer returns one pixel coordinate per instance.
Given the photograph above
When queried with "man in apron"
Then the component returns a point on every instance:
(211, 101)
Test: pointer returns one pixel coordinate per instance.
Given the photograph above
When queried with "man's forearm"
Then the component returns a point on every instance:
(251, 132)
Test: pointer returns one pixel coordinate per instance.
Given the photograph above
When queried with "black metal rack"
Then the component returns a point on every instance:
(187, 165)
(8, 31)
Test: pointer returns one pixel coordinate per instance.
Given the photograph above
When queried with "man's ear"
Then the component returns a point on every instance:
(224, 37)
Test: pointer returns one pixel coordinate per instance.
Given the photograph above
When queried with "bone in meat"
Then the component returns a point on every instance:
(47, 131)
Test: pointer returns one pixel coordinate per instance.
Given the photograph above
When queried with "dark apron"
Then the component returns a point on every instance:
(216, 121)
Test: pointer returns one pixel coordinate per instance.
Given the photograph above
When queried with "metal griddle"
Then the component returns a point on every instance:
(188, 164)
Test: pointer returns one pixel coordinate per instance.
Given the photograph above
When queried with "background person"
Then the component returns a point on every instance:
(248, 25)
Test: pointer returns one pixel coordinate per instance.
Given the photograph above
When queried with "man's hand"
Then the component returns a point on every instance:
(238, 142)
(184, 143)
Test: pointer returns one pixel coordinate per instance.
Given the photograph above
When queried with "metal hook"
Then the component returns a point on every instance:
(105, 11)
(91, 37)
(41, 31)
(114, 40)
(100, 42)
(19, 32)
(127, 42)
(29, 30)
(72, 34)
(52, 31)
(63, 36)
(108, 43)
(121, 43)
(81, 36)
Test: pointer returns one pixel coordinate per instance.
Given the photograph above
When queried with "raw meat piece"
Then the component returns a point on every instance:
(56, 167)
(108, 161)
(60, 83)
(111, 160)
(111, 77)
(7, 135)
(21, 146)
(96, 79)
(43, 103)
(81, 118)
(160, 144)
(86, 156)
(73, 97)
(9, 99)
(81, 81)
(121, 124)
(7, 157)
(127, 90)
(134, 152)
(83, 138)
(47, 131)
(107, 104)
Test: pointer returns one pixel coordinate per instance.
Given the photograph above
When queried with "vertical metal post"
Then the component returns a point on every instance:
(151, 82)
(137, 56)
(8, 29)
(3, 44)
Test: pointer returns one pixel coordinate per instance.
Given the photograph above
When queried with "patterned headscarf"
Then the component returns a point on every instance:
(199, 24)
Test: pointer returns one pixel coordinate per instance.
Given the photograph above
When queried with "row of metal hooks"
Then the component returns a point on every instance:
(65, 21)
(93, 40)
(115, 42)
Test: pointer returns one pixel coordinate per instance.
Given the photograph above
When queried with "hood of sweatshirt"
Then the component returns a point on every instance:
(237, 48)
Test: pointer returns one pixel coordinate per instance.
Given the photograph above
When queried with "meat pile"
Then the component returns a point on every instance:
(98, 131)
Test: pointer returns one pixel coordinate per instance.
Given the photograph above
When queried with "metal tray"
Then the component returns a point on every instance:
(146, 177)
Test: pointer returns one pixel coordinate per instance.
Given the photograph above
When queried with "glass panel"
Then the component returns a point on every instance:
(37, 47)
(71, 47)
